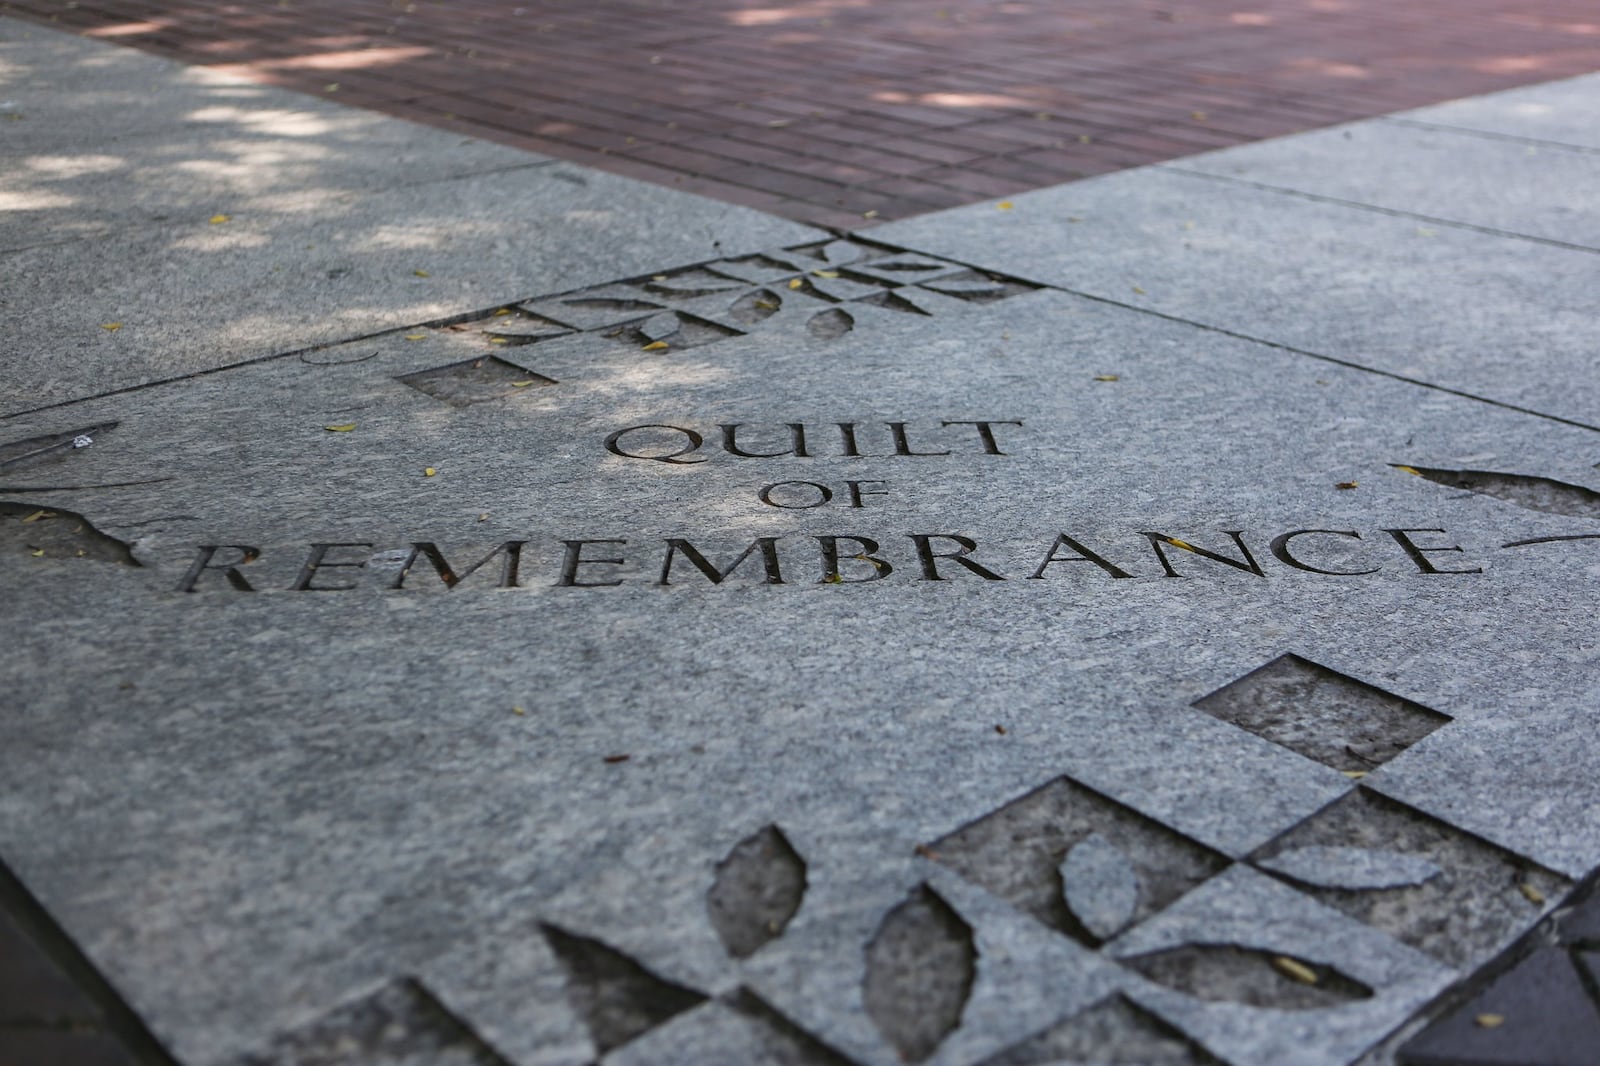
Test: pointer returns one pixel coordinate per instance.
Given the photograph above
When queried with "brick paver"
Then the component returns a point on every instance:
(831, 110)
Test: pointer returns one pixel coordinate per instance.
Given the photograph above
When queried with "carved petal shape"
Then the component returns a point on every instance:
(1525, 490)
(758, 888)
(1229, 973)
(659, 327)
(1353, 868)
(920, 968)
(1100, 885)
(831, 324)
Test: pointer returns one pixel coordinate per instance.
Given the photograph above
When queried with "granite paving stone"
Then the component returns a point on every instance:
(564, 621)
(265, 221)
(1561, 112)
(1531, 190)
(375, 734)
(1498, 317)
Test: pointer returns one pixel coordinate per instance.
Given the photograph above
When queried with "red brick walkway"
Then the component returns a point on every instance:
(830, 111)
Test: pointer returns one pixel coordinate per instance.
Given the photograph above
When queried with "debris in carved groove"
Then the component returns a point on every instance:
(1322, 714)
(617, 998)
(1101, 886)
(752, 307)
(401, 1024)
(1114, 1032)
(1229, 973)
(1524, 490)
(758, 889)
(830, 325)
(53, 533)
(31, 450)
(920, 969)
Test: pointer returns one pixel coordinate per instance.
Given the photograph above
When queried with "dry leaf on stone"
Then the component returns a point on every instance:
(217, 220)
(344, 427)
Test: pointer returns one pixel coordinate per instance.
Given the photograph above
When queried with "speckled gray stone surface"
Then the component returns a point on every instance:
(1535, 190)
(1561, 112)
(1427, 299)
(711, 664)
(338, 223)
(359, 759)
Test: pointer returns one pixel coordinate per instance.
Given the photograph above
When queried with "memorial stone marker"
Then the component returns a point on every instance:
(848, 652)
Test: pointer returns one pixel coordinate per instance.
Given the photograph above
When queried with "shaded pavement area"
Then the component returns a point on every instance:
(843, 112)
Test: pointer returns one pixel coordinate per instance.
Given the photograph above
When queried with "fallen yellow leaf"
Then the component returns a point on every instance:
(1354, 775)
(499, 340)
(345, 427)
(655, 346)
(519, 710)
(502, 311)
(1108, 377)
(1532, 894)
(38, 553)
(1294, 969)
(1490, 1021)
(1005, 205)
(1409, 470)
(35, 516)
(870, 214)
(416, 336)
(421, 273)
(794, 283)
(428, 471)
(111, 327)
(1176, 543)
(217, 220)
(826, 273)
(521, 384)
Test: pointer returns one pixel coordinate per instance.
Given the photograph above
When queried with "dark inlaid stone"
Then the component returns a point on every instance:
(33, 989)
(1538, 1014)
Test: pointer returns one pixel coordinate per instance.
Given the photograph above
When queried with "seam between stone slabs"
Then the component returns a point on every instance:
(1394, 212)
(470, 315)
(1280, 346)
(1488, 135)
(339, 197)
